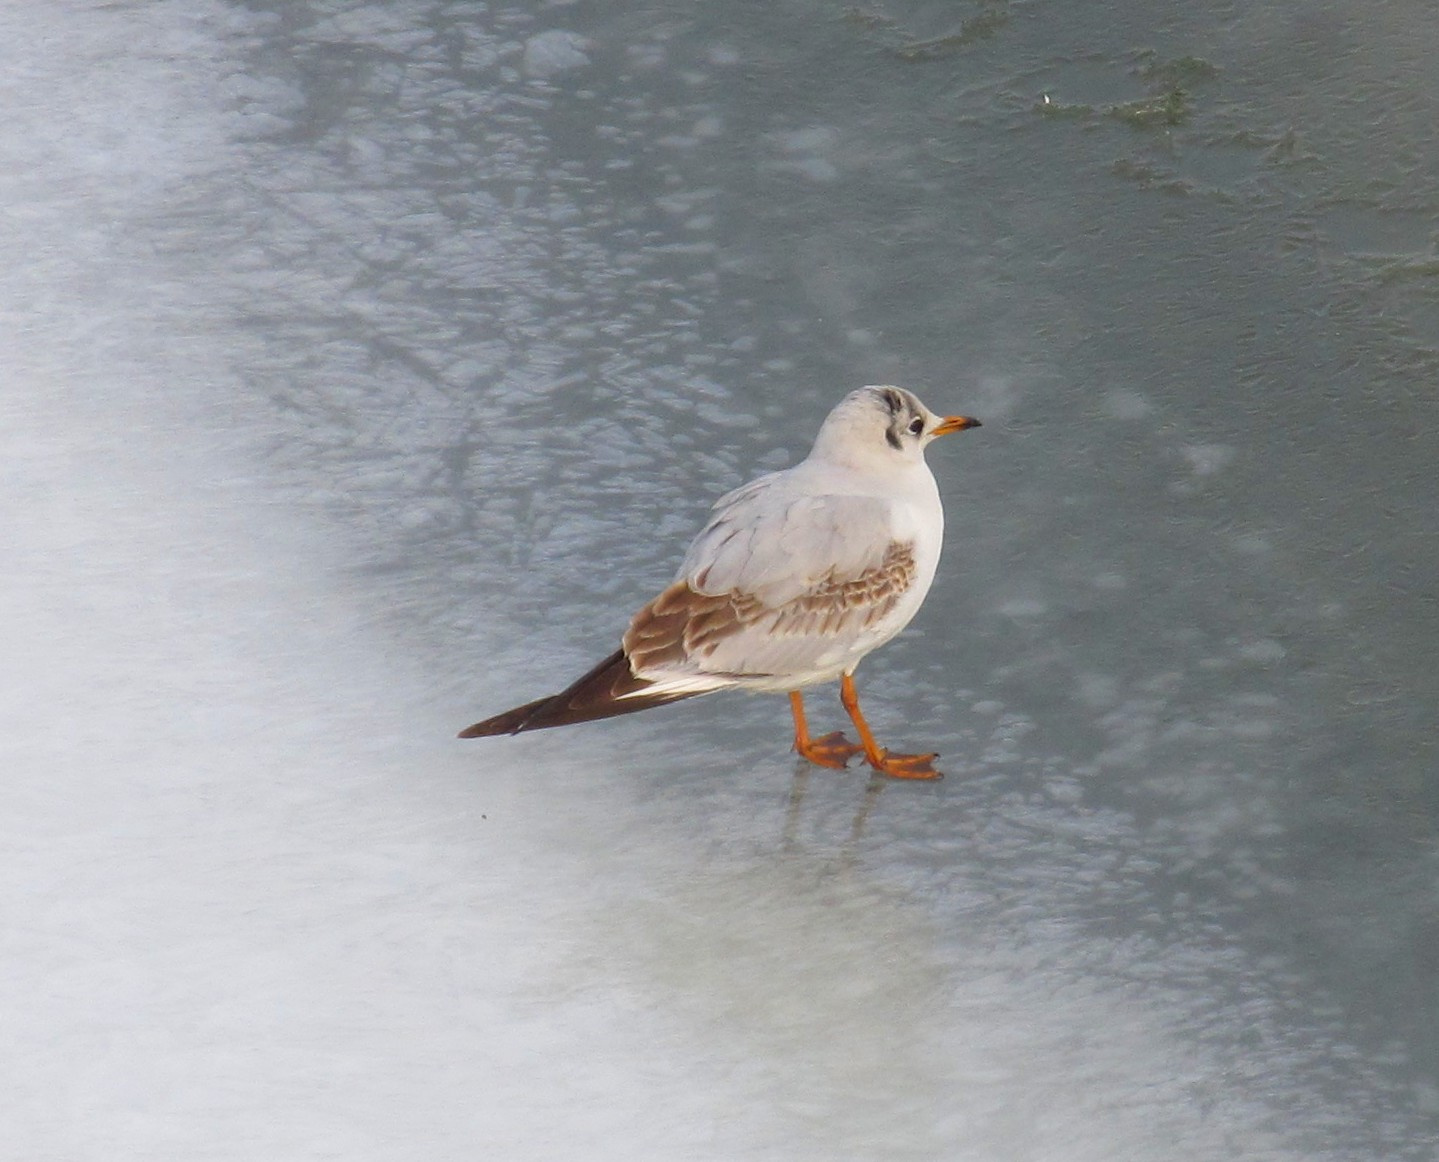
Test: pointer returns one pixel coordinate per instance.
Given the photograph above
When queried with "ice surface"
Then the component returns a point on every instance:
(354, 385)
(554, 51)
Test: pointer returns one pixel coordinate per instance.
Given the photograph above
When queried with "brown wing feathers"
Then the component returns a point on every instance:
(681, 627)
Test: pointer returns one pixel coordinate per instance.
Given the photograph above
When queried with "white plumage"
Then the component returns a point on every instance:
(797, 576)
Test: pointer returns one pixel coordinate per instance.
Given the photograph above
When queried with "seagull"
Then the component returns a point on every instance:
(797, 576)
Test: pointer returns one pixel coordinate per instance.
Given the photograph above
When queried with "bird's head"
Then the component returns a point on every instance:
(877, 425)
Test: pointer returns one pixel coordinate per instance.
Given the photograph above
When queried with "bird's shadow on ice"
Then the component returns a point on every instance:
(794, 809)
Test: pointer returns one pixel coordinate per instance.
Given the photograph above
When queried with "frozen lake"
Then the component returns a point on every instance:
(366, 365)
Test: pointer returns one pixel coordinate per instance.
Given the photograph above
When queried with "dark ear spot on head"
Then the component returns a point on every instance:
(892, 438)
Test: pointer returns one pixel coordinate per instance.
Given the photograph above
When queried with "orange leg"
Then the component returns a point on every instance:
(833, 750)
(900, 766)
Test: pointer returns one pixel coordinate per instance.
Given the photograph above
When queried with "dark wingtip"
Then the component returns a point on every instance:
(510, 722)
(481, 730)
(610, 689)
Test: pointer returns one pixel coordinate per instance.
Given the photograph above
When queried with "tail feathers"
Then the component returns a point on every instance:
(610, 689)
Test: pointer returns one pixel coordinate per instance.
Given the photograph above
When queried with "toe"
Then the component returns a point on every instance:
(833, 751)
(908, 766)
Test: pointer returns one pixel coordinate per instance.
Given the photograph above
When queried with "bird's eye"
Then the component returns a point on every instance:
(916, 426)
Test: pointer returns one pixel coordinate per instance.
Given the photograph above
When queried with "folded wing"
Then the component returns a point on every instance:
(781, 582)
(687, 635)
(779, 586)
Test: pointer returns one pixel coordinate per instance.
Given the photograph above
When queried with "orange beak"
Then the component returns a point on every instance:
(955, 424)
